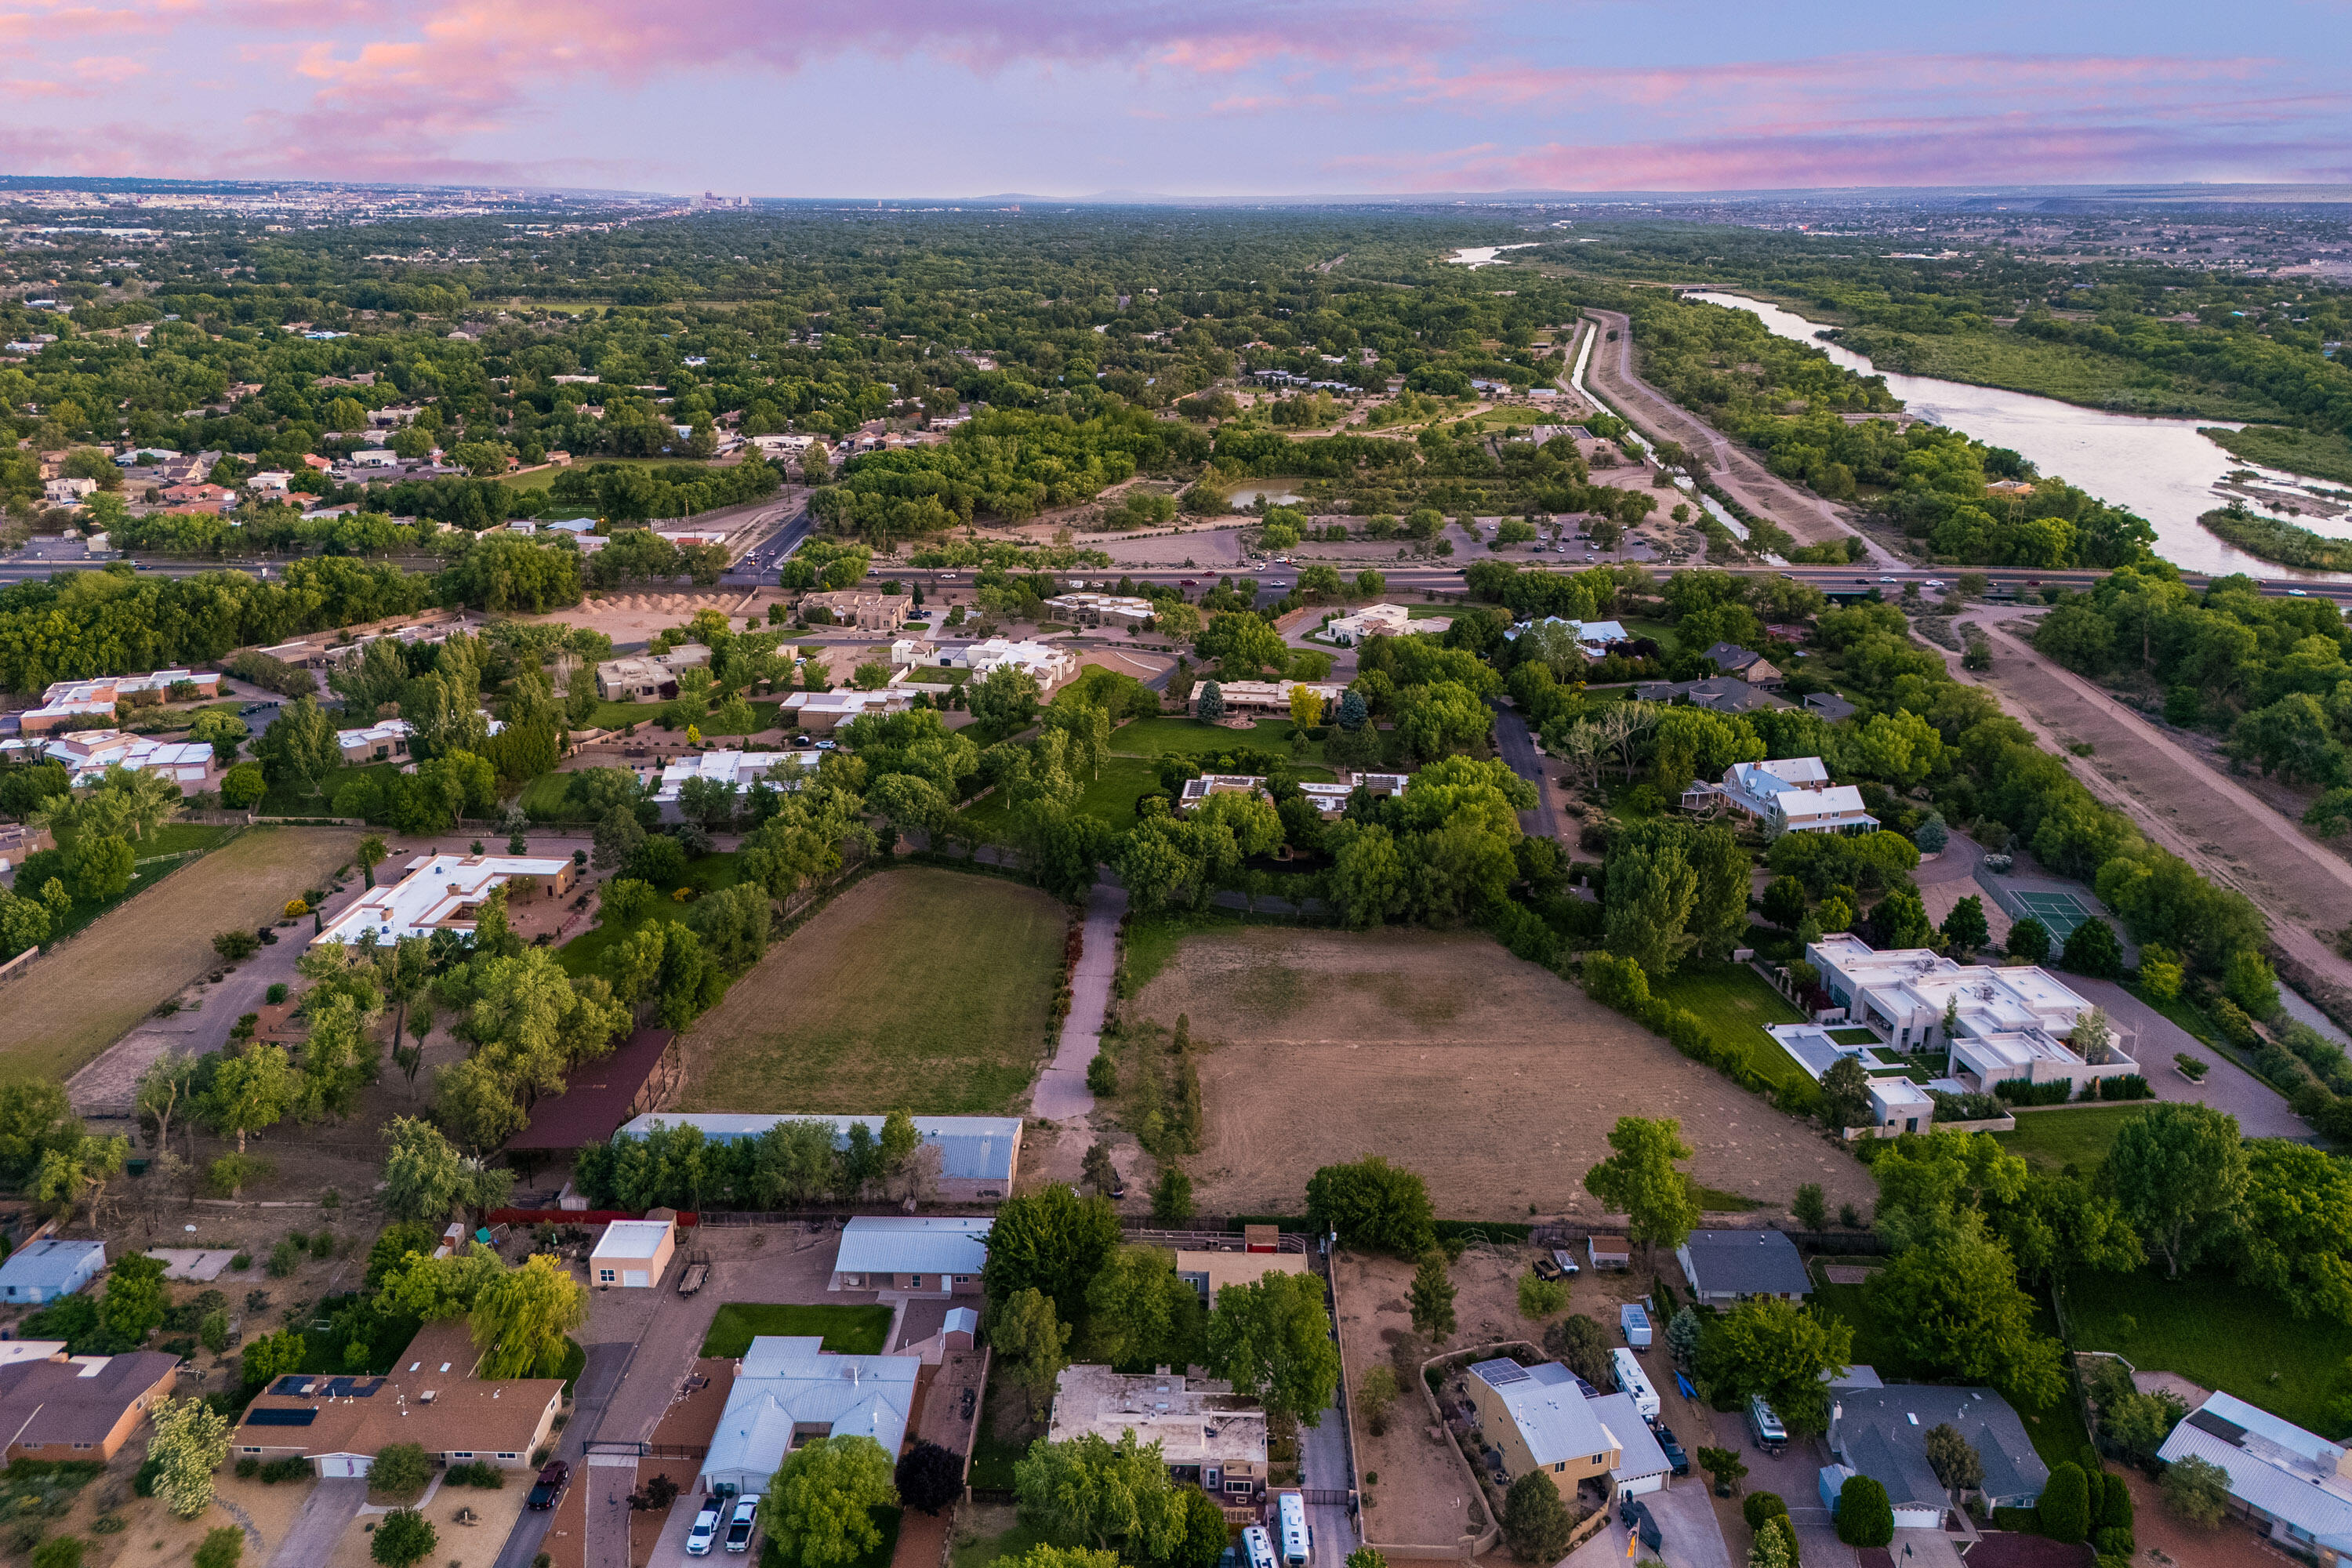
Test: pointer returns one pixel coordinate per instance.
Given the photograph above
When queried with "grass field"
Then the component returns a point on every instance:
(584, 953)
(2323, 457)
(2217, 1333)
(1734, 1000)
(288, 797)
(547, 798)
(2056, 1429)
(157, 856)
(2057, 1136)
(621, 715)
(846, 1330)
(71, 1005)
(543, 478)
(1153, 737)
(922, 988)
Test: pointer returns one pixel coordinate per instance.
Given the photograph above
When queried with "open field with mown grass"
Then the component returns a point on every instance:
(2219, 1335)
(1495, 1079)
(918, 987)
(1153, 737)
(73, 1002)
(2054, 1137)
(1735, 1003)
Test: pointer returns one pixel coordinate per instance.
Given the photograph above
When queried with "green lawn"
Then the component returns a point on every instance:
(1736, 1003)
(846, 1330)
(933, 676)
(763, 717)
(1112, 797)
(2217, 1333)
(547, 798)
(1854, 1037)
(2054, 1137)
(154, 857)
(982, 1550)
(2057, 1430)
(1153, 737)
(584, 953)
(621, 715)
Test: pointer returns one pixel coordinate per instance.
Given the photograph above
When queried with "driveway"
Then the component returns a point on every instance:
(1323, 1467)
(2262, 1111)
(1062, 1094)
(1517, 747)
(1690, 1537)
(326, 1513)
(597, 1381)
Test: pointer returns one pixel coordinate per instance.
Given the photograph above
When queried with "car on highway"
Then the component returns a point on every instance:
(1186, 583)
(705, 1528)
(1890, 579)
(740, 1523)
(1933, 582)
(2298, 593)
(1864, 580)
(550, 1485)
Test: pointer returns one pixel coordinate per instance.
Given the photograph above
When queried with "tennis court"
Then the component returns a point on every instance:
(2062, 912)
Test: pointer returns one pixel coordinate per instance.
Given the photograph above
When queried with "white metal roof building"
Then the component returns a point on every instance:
(1546, 1403)
(1642, 1464)
(440, 890)
(979, 1155)
(737, 770)
(943, 1253)
(88, 754)
(46, 1270)
(2298, 1484)
(789, 1392)
(633, 1253)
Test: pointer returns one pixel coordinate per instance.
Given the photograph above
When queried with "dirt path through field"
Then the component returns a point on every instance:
(2224, 830)
(1495, 1079)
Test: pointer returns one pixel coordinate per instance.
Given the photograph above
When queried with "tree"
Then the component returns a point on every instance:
(1582, 1346)
(1209, 703)
(1810, 1210)
(425, 1178)
(1782, 1351)
(1273, 1341)
(1171, 1198)
(521, 1322)
(243, 786)
(2179, 1172)
(1535, 1523)
(619, 838)
(299, 746)
(1373, 1207)
(1784, 902)
(404, 1536)
(1034, 1342)
(220, 1548)
(1769, 1547)
(1723, 1466)
(269, 1355)
(2297, 1227)
(1541, 1298)
(1432, 1298)
(1005, 698)
(249, 1092)
(189, 1442)
(2065, 1506)
(1139, 1313)
(1965, 927)
(2092, 948)
(400, 1470)
(1051, 1240)
(1375, 1394)
(1845, 1095)
(1102, 1493)
(1684, 1334)
(1651, 887)
(822, 1498)
(135, 1298)
(1954, 1458)
(2198, 1491)
(2029, 939)
(1953, 1299)
(101, 865)
(1863, 1516)
(1640, 1181)
(928, 1476)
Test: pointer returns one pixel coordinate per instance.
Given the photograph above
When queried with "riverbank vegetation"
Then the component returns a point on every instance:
(2322, 455)
(2274, 538)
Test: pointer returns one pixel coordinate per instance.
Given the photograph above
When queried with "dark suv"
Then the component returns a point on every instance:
(549, 1487)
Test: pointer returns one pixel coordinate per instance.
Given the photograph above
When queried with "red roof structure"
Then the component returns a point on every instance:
(601, 1096)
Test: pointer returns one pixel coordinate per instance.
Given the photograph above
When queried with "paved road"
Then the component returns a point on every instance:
(326, 1513)
(597, 1381)
(1062, 1092)
(1518, 748)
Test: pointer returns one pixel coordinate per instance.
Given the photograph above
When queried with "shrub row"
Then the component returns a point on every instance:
(1621, 985)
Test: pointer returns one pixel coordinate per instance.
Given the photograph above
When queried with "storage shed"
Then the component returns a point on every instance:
(633, 1253)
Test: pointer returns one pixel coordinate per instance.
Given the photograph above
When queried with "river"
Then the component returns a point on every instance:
(2161, 469)
(1487, 255)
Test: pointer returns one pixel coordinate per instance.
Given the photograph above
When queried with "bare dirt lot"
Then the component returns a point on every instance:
(1495, 1079)
(635, 617)
(74, 1003)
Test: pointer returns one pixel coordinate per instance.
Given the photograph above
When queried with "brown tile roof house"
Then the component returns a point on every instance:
(83, 1409)
(431, 1398)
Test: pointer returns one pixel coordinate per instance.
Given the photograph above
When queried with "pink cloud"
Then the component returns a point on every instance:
(108, 68)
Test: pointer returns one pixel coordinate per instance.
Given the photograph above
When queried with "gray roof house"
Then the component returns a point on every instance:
(788, 1391)
(1830, 705)
(1726, 1265)
(2295, 1484)
(1745, 663)
(1882, 1432)
(46, 1270)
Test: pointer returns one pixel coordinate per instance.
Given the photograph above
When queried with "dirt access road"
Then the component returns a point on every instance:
(1807, 516)
(2216, 826)
(1495, 1079)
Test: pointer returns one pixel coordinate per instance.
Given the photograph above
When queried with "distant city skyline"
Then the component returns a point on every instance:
(1176, 98)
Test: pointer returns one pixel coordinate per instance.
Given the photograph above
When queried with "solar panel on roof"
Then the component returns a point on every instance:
(2228, 1431)
(1503, 1375)
(281, 1418)
(294, 1384)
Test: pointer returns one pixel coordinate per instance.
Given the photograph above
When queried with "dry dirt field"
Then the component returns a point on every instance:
(918, 987)
(1494, 1078)
(74, 1003)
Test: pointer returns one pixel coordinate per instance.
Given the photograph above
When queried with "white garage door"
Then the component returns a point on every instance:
(338, 1465)
(1638, 1484)
(1917, 1518)
(636, 1278)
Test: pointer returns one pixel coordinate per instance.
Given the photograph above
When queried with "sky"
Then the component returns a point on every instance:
(1184, 98)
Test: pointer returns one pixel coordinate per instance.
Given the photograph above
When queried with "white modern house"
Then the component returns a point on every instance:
(788, 1391)
(2011, 1024)
(738, 770)
(1380, 621)
(2296, 1486)
(1788, 794)
(441, 893)
(1897, 1104)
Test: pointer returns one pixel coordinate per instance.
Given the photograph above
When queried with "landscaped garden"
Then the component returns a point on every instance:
(2058, 1136)
(845, 1329)
(1735, 1003)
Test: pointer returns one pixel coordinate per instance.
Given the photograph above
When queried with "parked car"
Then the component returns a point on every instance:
(803, 741)
(1566, 1260)
(739, 1525)
(1547, 1269)
(1675, 1454)
(550, 1486)
(705, 1528)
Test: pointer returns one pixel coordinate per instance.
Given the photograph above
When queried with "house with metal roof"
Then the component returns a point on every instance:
(1539, 1419)
(1882, 1432)
(1727, 1266)
(46, 1270)
(2293, 1484)
(789, 1392)
(978, 1156)
(936, 1253)
(1642, 1464)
